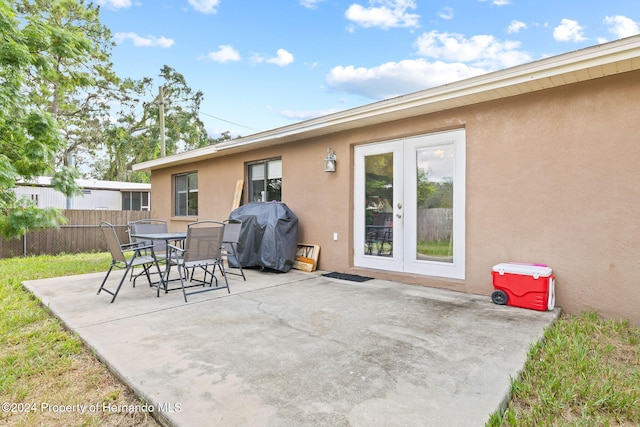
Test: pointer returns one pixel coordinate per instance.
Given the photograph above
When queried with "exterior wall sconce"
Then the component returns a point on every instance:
(330, 161)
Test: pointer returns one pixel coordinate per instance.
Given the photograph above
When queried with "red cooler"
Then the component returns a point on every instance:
(524, 285)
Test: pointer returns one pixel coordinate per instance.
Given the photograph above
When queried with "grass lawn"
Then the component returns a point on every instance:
(434, 248)
(586, 371)
(42, 364)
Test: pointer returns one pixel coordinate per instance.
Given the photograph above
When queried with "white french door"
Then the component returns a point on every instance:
(410, 203)
(379, 206)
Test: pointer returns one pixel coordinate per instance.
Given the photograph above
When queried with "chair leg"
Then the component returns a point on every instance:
(213, 276)
(224, 274)
(161, 282)
(234, 254)
(114, 293)
(184, 292)
(144, 271)
(233, 245)
(166, 275)
(105, 280)
(147, 272)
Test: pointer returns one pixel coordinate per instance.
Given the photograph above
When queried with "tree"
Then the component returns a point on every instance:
(424, 187)
(29, 137)
(135, 136)
(78, 83)
(379, 176)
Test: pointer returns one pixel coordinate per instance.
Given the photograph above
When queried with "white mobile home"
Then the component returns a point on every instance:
(96, 194)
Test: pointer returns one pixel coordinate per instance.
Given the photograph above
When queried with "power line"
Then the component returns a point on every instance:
(227, 121)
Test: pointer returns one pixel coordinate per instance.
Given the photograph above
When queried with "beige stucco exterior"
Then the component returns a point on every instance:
(552, 176)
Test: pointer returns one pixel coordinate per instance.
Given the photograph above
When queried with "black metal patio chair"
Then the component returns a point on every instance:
(149, 226)
(230, 242)
(202, 250)
(128, 256)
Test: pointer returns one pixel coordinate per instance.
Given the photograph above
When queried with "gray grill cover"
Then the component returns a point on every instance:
(268, 238)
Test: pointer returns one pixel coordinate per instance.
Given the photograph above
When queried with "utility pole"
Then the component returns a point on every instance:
(71, 163)
(163, 149)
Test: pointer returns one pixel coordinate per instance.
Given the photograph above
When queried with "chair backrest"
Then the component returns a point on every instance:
(232, 229)
(113, 242)
(149, 226)
(204, 241)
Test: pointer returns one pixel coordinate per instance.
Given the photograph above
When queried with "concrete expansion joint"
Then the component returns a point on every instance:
(283, 322)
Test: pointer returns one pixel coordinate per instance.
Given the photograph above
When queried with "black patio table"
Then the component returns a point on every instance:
(167, 237)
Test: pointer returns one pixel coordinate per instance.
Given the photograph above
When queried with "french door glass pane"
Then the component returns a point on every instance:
(434, 230)
(378, 204)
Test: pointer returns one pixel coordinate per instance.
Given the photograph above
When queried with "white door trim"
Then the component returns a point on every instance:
(456, 268)
(404, 257)
(362, 259)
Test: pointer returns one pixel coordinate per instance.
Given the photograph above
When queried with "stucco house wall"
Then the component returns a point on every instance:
(551, 177)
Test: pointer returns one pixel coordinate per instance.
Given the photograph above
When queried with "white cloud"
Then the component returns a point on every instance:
(569, 31)
(397, 78)
(389, 14)
(256, 58)
(115, 4)
(283, 58)
(454, 58)
(480, 50)
(446, 13)
(622, 26)
(499, 2)
(516, 26)
(205, 6)
(310, 4)
(225, 53)
(139, 41)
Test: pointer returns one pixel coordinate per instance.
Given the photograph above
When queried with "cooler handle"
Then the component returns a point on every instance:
(551, 303)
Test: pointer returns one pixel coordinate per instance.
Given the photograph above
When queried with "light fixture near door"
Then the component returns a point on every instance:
(330, 161)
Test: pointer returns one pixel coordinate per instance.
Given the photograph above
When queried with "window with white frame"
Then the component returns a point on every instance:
(185, 194)
(135, 201)
(265, 180)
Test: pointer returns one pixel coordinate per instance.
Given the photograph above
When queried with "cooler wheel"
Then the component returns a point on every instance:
(499, 297)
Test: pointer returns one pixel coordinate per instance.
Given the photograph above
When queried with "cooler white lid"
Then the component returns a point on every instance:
(536, 270)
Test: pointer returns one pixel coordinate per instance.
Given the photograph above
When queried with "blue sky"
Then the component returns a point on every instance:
(263, 64)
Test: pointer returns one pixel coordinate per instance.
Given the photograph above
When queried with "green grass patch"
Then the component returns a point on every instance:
(41, 361)
(442, 248)
(584, 372)
(31, 340)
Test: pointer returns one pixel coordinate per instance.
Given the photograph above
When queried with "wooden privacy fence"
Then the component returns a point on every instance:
(80, 234)
(435, 224)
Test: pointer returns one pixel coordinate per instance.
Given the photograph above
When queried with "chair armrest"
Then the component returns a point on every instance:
(128, 245)
(174, 253)
(134, 247)
(175, 248)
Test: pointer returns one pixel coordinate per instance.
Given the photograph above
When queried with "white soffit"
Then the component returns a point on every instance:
(586, 64)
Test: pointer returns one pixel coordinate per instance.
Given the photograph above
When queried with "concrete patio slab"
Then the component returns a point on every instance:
(296, 348)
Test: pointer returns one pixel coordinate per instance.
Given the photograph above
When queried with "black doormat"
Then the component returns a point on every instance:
(350, 277)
